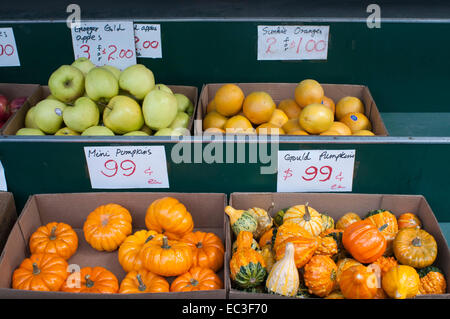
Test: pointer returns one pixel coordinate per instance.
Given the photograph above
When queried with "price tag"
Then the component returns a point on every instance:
(127, 167)
(289, 42)
(8, 48)
(147, 38)
(315, 171)
(109, 42)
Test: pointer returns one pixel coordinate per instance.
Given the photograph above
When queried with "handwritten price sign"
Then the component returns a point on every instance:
(127, 167)
(147, 38)
(8, 48)
(109, 42)
(293, 42)
(315, 171)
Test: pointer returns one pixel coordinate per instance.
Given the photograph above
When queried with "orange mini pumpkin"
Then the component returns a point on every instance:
(207, 249)
(385, 263)
(358, 282)
(347, 220)
(143, 281)
(197, 278)
(169, 217)
(320, 275)
(408, 220)
(345, 264)
(92, 280)
(107, 227)
(386, 222)
(40, 272)
(54, 238)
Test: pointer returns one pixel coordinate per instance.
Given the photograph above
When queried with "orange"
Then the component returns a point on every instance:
(329, 103)
(258, 107)
(229, 99)
(298, 132)
(316, 118)
(278, 118)
(348, 104)
(356, 122)
(211, 106)
(238, 124)
(308, 92)
(291, 126)
(340, 128)
(290, 107)
(364, 132)
(214, 119)
(269, 129)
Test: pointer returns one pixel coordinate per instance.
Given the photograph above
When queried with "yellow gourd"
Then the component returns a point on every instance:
(401, 282)
(283, 278)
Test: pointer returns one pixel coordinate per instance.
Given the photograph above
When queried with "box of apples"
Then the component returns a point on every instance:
(83, 99)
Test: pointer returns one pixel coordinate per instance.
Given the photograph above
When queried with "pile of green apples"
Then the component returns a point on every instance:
(105, 101)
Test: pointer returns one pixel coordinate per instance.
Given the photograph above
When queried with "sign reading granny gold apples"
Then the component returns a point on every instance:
(8, 48)
(106, 42)
(147, 39)
(127, 167)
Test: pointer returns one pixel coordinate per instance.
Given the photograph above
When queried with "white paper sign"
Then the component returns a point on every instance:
(109, 42)
(147, 38)
(315, 171)
(127, 167)
(289, 42)
(8, 48)
(3, 186)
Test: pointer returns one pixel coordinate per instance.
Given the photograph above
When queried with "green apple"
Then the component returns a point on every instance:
(29, 118)
(136, 133)
(51, 97)
(66, 83)
(82, 115)
(170, 132)
(181, 120)
(123, 115)
(138, 80)
(98, 131)
(48, 115)
(66, 131)
(146, 129)
(84, 65)
(163, 87)
(113, 70)
(29, 131)
(190, 110)
(101, 85)
(159, 108)
(183, 102)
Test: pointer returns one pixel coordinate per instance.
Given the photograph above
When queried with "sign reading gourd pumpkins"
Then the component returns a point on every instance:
(120, 167)
(315, 171)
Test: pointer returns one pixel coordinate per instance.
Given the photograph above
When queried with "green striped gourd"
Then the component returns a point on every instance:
(241, 220)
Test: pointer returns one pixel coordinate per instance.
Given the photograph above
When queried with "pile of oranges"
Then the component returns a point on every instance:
(309, 113)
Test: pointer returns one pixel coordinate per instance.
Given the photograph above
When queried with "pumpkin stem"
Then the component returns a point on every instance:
(36, 270)
(53, 233)
(194, 282)
(383, 227)
(307, 216)
(165, 243)
(142, 286)
(149, 238)
(416, 242)
(89, 282)
(199, 245)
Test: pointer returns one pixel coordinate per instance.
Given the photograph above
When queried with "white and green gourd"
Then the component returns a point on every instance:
(283, 278)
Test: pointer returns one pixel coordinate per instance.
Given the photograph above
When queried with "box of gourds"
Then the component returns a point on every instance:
(335, 246)
(117, 245)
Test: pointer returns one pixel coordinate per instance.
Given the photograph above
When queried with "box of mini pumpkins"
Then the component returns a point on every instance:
(334, 246)
(117, 245)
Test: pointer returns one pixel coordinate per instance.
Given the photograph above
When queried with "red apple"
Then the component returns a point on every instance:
(4, 108)
(16, 104)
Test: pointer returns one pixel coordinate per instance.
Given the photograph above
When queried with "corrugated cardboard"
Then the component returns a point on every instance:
(206, 209)
(281, 91)
(18, 120)
(8, 216)
(336, 205)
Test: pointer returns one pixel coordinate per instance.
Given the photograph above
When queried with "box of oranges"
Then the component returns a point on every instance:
(305, 108)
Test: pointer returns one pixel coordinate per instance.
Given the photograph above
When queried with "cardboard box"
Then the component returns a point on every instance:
(14, 90)
(8, 216)
(206, 209)
(18, 120)
(281, 91)
(336, 205)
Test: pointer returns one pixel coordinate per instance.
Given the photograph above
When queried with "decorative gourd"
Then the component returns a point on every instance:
(347, 220)
(327, 222)
(336, 234)
(385, 263)
(197, 278)
(386, 222)
(432, 281)
(265, 222)
(401, 282)
(107, 227)
(166, 257)
(40, 272)
(344, 264)
(266, 238)
(143, 281)
(54, 238)
(283, 278)
(241, 220)
(92, 280)
(169, 217)
(278, 218)
(327, 247)
(305, 216)
(408, 220)
(257, 289)
(335, 295)
(269, 257)
(288, 230)
(358, 282)
(254, 246)
(364, 241)
(320, 275)
(247, 266)
(207, 249)
(415, 247)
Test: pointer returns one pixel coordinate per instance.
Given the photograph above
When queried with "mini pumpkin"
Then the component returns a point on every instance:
(347, 220)
(415, 247)
(305, 216)
(169, 217)
(241, 220)
(386, 222)
(264, 220)
(327, 247)
(401, 282)
(336, 234)
(344, 264)
(92, 280)
(143, 281)
(107, 227)
(320, 275)
(283, 278)
(197, 278)
(40, 272)
(385, 263)
(432, 281)
(54, 238)
(207, 249)
(358, 282)
(408, 220)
